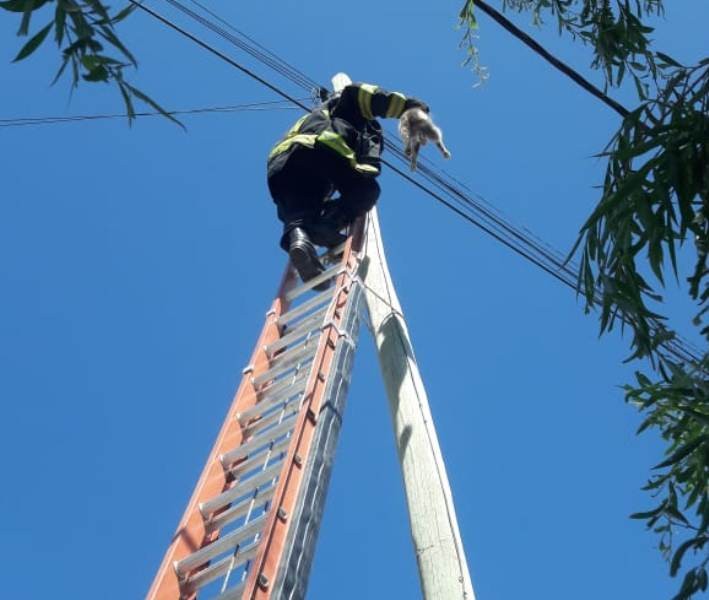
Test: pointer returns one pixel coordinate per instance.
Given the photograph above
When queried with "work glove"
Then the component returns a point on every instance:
(416, 103)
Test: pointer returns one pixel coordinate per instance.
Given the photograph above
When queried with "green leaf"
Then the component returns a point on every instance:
(684, 451)
(702, 418)
(65, 62)
(111, 38)
(127, 99)
(26, 16)
(150, 102)
(656, 259)
(649, 514)
(99, 73)
(34, 43)
(100, 9)
(59, 23)
(668, 59)
(19, 5)
(123, 14)
(679, 554)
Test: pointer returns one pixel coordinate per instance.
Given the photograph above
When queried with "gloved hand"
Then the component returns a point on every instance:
(416, 103)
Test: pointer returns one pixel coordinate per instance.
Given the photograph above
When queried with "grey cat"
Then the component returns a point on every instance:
(416, 128)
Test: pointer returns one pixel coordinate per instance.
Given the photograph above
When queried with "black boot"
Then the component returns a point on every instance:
(304, 257)
(325, 233)
(334, 215)
(327, 230)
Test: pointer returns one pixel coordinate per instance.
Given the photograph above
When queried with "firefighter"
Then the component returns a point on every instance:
(336, 147)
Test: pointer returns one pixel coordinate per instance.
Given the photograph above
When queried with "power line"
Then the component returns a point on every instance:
(465, 206)
(304, 79)
(550, 58)
(249, 107)
(217, 53)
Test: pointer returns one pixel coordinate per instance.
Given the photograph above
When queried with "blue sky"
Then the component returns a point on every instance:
(136, 265)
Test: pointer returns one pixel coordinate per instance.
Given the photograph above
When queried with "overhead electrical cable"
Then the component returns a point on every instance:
(217, 53)
(304, 79)
(250, 107)
(530, 42)
(459, 201)
(275, 64)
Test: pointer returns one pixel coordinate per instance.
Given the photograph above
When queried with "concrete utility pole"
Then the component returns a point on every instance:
(434, 528)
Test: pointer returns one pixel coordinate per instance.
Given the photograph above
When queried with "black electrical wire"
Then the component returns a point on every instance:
(496, 227)
(251, 107)
(217, 53)
(550, 58)
(275, 64)
(305, 81)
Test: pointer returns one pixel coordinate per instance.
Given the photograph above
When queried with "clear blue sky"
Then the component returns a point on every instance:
(136, 266)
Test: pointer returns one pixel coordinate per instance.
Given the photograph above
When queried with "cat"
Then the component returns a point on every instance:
(416, 128)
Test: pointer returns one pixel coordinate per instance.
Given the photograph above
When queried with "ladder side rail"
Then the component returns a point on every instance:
(294, 569)
(191, 533)
(264, 569)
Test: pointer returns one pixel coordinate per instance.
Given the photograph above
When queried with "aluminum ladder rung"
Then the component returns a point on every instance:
(303, 308)
(311, 283)
(259, 458)
(285, 392)
(272, 392)
(288, 361)
(240, 489)
(333, 252)
(255, 443)
(257, 427)
(307, 325)
(240, 509)
(292, 355)
(219, 568)
(220, 545)
(234, 593)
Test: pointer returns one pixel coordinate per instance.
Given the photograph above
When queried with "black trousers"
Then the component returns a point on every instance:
(308, 177)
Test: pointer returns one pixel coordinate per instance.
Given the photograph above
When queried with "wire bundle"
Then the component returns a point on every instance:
(436, 183)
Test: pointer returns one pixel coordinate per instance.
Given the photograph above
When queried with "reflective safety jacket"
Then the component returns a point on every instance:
(345, 125)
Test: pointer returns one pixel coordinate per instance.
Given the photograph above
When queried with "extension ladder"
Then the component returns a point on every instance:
(249, 529)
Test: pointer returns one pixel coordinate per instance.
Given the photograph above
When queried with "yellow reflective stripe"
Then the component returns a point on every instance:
(290, 137)
(337, 143)
(304, 139)
(364, 99)
(293, 130)
(396, 105)
(366, 168)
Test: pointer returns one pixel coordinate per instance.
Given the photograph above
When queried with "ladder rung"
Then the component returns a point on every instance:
(287, 361)
(303, 308)
(269, 393)
(307, 325)
(286, 390)
(240, 489)
(220, 545)
(216, 570)
(255, 443)
(234, 593)
(257, 427)
(259, 457)
(310, 284)
(240, 509)
(293, 355)
(333, 252)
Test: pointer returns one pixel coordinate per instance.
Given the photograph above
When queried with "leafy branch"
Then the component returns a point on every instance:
(84, 31)
(654, 204)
